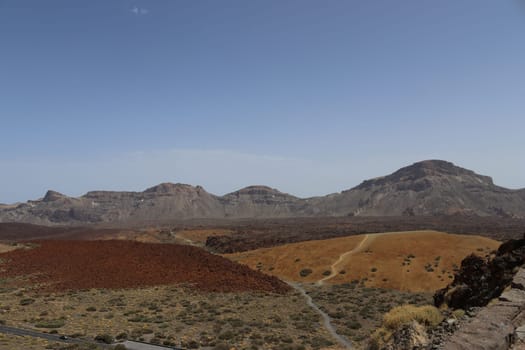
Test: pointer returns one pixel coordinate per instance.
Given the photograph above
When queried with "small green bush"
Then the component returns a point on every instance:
(27, 301)
(122, 335)
(305, 272)
(50, 323)
(104, 338)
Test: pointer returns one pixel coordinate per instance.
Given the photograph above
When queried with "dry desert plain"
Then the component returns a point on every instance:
(417, 261)
(171, 294)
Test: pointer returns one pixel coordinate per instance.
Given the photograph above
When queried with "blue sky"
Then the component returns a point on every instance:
(310, 97)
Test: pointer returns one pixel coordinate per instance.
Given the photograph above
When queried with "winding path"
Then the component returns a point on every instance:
(334, 269)
(327, 321)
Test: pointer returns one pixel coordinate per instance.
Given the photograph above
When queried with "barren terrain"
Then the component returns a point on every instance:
(74, 265)
(253, 234)
(170, 315)
(426, 188)
(410, 261)
(4, 248)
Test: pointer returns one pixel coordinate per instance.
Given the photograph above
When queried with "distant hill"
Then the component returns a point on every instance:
(431, 187)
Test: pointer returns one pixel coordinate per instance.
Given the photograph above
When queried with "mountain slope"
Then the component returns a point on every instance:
(427, 188)
(432, 187)
(260, 201)
(159, 203)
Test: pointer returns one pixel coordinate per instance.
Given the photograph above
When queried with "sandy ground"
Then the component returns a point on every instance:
(411, 261)
(7, 248)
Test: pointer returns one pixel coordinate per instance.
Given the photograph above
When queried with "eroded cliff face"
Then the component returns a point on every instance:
(432, 187)
(260, 201)
(158, 203)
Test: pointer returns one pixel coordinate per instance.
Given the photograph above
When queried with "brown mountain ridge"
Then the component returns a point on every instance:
(430, 187)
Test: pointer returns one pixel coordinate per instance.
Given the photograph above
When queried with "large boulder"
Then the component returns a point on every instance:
(481, 279)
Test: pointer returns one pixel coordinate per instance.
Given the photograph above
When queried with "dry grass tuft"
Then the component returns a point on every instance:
(428, 315)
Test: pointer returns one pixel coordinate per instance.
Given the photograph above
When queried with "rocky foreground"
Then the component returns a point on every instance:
(483, 308)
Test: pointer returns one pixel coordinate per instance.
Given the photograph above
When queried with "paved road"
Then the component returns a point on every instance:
(47, 336)
(134, 345)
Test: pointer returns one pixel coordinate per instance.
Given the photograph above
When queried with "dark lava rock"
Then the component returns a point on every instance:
(479, 280)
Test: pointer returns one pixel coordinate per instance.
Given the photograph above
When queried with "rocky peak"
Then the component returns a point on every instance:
(52, 196)
(259, 191)
(423, 174)
(171, 188)
(430, 168)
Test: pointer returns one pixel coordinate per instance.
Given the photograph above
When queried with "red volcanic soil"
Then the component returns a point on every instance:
(12, 231)
(73, 265)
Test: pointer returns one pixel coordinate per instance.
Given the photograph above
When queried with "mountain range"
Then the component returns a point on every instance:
(431, 187)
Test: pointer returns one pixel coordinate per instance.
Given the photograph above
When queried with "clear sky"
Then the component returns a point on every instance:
(310, 97)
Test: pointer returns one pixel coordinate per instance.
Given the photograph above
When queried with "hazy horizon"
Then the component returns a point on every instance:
(218, 188)
(304, 96)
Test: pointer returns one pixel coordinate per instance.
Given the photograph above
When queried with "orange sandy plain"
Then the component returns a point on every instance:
(415, 261)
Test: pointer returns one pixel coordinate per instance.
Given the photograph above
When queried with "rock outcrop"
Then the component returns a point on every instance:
(482, 279)
(495, 326)
(497, 285)
(410, 336)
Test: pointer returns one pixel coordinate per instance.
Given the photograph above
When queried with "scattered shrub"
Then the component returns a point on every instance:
(458, 313)
(27, 301)
(122, 335)
(104, 338)
(400, 315)
(305, 272)
(221, 346)
(50, 323)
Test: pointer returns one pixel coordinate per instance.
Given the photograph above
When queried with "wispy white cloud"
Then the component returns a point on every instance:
(139, 10)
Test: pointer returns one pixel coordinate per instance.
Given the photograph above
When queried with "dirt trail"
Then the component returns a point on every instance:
(327, 321)
(365, 243)
(343, 257)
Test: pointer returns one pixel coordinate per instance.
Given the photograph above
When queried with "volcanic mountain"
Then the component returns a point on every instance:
(431, 187)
